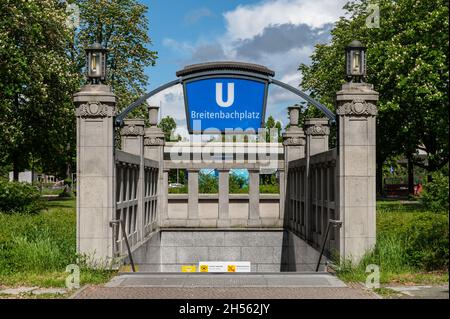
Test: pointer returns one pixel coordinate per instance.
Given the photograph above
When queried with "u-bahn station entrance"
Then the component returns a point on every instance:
(325, 206)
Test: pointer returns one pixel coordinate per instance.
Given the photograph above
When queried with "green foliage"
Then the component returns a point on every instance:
(409, 240)
(122, 28)
(427, 241)
(178, 190)
(37, 80)
(435, 193)
(273, 133)
(238, 184)
(269, 184)
(35, 249)
(207, 184)
(37, 243)
(407, 62)
(269, 189)
(168, 126)
(18, 197)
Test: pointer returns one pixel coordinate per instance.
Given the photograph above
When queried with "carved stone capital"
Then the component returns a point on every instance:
(318, 130)
(132, 130)
(153, 141)
(357, 107)
(294, 141)
(94, 109)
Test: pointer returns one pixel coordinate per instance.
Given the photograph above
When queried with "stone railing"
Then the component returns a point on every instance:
(135, 205)
(137, 189)
(223, 210)
(337, 184)
(311, 196)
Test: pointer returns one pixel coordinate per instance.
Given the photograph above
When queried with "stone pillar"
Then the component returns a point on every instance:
(294, 137)
(132, 134)
(193, 198)
(154, 138)
(95, 110)
(154, 150)
(224, 199)
(317, 132)
(294, 148)
(253, 198)
(356, 111)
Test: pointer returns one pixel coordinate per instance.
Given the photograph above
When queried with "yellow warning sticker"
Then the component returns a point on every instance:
(188, 268)
(231, 268)
(203, 268)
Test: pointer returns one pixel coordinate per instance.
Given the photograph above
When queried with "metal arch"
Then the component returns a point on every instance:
(124, 113)
(320, 106)
(306, 97)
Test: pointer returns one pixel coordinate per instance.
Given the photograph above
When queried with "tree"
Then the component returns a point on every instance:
(37, 79)
(270, 126)
(168, 126)
(121, 26)
(407, 61)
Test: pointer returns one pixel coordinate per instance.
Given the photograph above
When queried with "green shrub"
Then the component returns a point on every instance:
(19, 197)
(38, 242)
(427, 241)
(207, 184)
(269, 189)
(435, 193)
(409, 239)
(178, 190)
(238, 184)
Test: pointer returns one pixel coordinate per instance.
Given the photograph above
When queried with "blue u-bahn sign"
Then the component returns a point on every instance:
(225, 98)
(225, 103)
(224, 95)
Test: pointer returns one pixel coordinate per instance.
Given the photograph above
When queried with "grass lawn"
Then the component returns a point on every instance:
(35, 249)
(412, 246)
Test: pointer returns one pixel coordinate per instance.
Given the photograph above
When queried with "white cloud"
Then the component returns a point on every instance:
(247, 21)
(171, 101)
(181, 47)
(252, 31)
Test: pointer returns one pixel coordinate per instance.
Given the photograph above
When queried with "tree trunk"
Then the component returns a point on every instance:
(410, 176)
(379, 178)
(15, 170)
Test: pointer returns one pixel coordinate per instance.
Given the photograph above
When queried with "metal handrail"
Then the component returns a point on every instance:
(336, 223)
(124, 234)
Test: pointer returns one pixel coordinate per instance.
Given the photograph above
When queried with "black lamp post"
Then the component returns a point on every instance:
(96, 63)
(355, 60)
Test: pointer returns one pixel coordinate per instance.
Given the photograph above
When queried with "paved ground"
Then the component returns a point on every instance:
(229, 286)
(421, 292)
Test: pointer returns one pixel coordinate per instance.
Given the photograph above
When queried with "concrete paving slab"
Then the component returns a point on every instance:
(422, 292)
(54, 291)
(17, 291)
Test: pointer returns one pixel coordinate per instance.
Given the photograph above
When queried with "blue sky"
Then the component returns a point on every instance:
(279, 34)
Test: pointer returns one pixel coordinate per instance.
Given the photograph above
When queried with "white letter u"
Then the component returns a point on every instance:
(219, 95)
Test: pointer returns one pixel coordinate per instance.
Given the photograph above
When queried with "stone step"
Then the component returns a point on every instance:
(179, 280)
